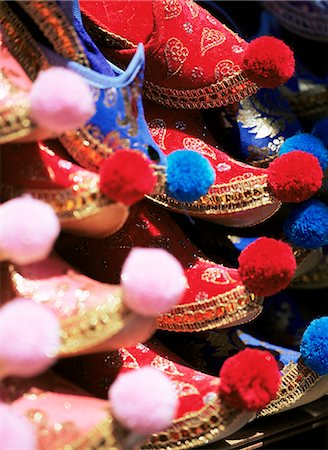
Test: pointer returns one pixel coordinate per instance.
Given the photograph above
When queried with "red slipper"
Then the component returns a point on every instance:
(216, 296)
(206, 413)
(193, 60)
(241, 195)
(45, 172)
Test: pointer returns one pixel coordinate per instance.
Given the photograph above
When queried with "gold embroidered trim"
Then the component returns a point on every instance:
(233, 197)
(194, 429)
(67, 203)
(93, 327)
(230, 90)
(57, 29)
(101, 437)
(15, 122)
(20, 43)
(216, 312)
(297, 380)
(102, 36)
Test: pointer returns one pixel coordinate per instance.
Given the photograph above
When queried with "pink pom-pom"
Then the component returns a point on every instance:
(29, 228)
(16, 432)
(144, 401)
(61, 100)
(29, 338)
(153, 281)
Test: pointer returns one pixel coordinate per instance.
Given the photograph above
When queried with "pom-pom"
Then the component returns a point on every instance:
(309, 144)
(249, 380)
(267, 266)
(152, 280)
(314, 346)
(320, 130)
(295, 177)
(144, 400)
(16, 432)
(268, 61)
(189, 175)
(61, 100)
(29, 338)
(126, 176)
(29, 228)
(307, 225)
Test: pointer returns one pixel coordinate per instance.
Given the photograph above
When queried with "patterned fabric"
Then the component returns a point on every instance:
(57, 411)
(215, 296)
(193, 60)
(202, 416)
(239, 195)
(43, 171)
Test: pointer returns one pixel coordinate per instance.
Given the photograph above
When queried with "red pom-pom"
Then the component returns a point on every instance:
(295, 176)
(126, 176)
(268, 61)
(267, 266)
(249, 380)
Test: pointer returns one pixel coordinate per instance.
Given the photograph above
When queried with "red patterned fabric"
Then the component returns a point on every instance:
(186, 48)
(247, 198)
(215, 293)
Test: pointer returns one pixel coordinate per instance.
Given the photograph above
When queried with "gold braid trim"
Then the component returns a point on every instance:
(297, 380)
(101, 437)
(231, 90)
(20, 43)
(235, 306)
(68, 204)
(15, 121)
(57, 29)
(102, 36)
(233, 197)
(194, 429)
(88, 329)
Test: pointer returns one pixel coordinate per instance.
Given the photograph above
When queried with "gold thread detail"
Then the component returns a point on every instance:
(215, 312)
(296, 380)
(56, 27)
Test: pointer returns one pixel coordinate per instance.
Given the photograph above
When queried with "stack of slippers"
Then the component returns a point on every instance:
(154, 179)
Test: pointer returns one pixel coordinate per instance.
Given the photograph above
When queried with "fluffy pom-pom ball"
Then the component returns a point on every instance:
(61, 100)
(249, 380)
(29, 228)
(153, 281)
(267, 266)
(309, 144)
(320, 130)
(314, 346)
(29, 338)
(295, 177)
(189, 175)
(307, 225)
(268, 61)
(144, 400)
(126, 176)
(16, 432)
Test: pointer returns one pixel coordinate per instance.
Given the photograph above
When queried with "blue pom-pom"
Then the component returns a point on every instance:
(314, 346)
(320, 130)
(307, 225)
(189, 175)
(307, 143)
